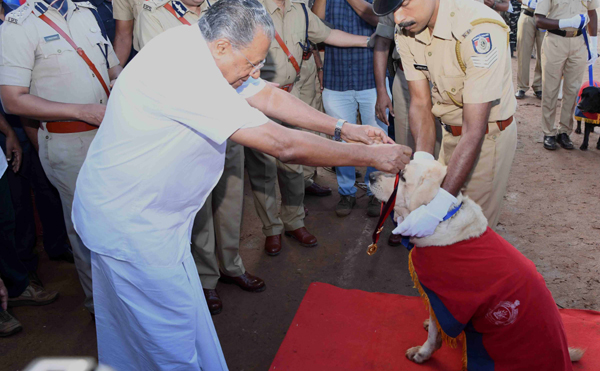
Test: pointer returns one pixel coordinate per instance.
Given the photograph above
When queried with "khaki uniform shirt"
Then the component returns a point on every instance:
(563, 9)
(128, 10)
(466, 61)
(291, 26)
(155, 19)
(34, 55)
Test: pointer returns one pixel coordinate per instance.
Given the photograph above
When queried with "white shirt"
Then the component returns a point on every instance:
(3, 163)
(159, 151)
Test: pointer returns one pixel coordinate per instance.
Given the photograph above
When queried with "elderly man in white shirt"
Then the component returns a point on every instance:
(157, 155)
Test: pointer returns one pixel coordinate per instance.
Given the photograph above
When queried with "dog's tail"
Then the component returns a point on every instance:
(575, 354)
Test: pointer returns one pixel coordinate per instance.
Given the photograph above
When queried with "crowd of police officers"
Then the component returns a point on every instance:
(59, 59)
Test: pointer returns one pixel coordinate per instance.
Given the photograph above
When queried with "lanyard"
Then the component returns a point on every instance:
(172, 11)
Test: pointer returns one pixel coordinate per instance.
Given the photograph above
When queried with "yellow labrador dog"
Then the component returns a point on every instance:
(479, 288)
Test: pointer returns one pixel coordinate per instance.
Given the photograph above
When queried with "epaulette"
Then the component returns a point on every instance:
(18, 15)
(152, 5)
(85, 4)
(300, 1)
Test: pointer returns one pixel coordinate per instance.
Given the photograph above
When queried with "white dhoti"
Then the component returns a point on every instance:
(153, 318)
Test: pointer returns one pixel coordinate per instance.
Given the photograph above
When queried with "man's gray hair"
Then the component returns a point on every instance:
(237, 21)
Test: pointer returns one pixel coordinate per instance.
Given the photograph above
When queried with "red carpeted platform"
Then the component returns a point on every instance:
(336, 329)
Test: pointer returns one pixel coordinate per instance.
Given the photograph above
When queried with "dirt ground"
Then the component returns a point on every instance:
(551, 214)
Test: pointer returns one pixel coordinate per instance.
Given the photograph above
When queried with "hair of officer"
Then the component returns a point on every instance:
(236, 21)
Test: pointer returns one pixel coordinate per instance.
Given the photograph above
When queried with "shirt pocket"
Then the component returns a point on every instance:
(451, 89)
(56, 57)
(98, 47)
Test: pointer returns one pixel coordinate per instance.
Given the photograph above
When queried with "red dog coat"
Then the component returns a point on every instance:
(487, 289)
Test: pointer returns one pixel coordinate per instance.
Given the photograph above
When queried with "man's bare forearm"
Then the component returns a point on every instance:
(115, 71)
(364, 11)
(593, 24)
(380, 58)
(420, 118)
(123, 40)
(546, 23)
(475, 123)
(37, 108)
(346, 40)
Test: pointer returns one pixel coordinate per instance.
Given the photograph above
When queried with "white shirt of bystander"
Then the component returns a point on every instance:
(159, 151)
(3, 163)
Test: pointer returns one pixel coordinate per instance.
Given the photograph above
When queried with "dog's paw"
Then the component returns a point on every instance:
(414, 355)
(426, 324)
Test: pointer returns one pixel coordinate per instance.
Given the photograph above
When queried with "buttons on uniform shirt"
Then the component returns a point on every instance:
(453, 90)
(93, 29)
(59, 51)
(429, 54)
(452, 14)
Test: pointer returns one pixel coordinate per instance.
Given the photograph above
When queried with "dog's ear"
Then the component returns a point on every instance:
(427, 186)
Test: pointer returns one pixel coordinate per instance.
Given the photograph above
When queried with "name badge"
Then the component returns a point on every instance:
(421, 67)
(51, 37)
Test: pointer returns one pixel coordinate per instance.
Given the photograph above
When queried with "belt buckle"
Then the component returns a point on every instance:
(447, 128)
(571, 33)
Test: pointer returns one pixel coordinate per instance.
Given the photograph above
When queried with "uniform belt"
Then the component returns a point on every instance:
(287, 87)
(65, 127)
(528, 12)
(564, 33)
(457, 130)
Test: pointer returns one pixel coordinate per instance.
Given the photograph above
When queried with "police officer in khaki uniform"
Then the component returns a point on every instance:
(125, 13)
(461, 47)
(42, 77)
(527, 36)
(564, 55)
(295, 25)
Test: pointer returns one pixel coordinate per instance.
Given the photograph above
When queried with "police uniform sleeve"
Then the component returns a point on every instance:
(148, 27)
(408, 59)
(17, 54)
(543, 7)
(113, 60)
(484, 53)
(122, 10)
(386, 26)
(317, 30)
(593, 4)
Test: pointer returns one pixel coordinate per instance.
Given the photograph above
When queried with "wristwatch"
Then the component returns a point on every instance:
(319, 69)
(338, 130)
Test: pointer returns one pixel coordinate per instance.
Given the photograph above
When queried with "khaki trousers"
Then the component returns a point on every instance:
(401, 101)
(216, 230)
(527, 35)
(264, 171)
(308, 90)
(561, 57)
(62, 156)
(486, 184)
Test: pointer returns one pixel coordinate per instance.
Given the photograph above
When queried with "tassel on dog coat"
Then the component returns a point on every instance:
(486, 291)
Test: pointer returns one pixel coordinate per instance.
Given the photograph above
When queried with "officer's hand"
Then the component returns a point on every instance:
(384, 103)
(3, 295)
(320, 76)
(364, 134)
(593, 40)
(489, 3)
(13, 151)
(579, 21)
(391, 158)
(92, 113)
(423, 221)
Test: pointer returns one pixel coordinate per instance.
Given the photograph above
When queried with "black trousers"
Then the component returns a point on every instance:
(12, 271)
(47, 202)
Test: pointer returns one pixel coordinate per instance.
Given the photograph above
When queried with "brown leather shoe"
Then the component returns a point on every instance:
(303, 236)
(317, 190)
(246, 282)
(395, 240)
(273, 245)
(33, 295)
(213, 301)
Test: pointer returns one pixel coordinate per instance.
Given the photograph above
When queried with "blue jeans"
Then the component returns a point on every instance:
(344, 105)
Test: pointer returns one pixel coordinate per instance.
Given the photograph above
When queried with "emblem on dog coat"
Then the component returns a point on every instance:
(504, 314)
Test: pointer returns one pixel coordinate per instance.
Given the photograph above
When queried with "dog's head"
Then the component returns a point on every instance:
(590, 100)
(419, 183)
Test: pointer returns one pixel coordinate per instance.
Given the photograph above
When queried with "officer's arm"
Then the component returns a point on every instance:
(114, 72)
(319, 8)
(365, 11)
(284, 106)
(380, 59)
(123, 40)
(593, 24)
(420, 118)
(345, 40)
(18, 101)
(475, 123)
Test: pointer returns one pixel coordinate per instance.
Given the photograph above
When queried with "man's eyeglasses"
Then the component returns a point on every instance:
(255, 67)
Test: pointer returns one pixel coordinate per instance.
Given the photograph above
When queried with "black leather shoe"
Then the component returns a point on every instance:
(520, 94)
(550, 142)
(564, 141)
(317, 190)
(213, 301)
(246, 282)
(538, 94)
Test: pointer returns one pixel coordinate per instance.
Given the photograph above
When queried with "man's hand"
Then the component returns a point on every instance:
(92, 113)
(423, 221)
(489, 3)
(384, 103)
(391, 158)
(14, 151)
(579, 21)
(364, 134)
(3, 295)
(320, 76)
